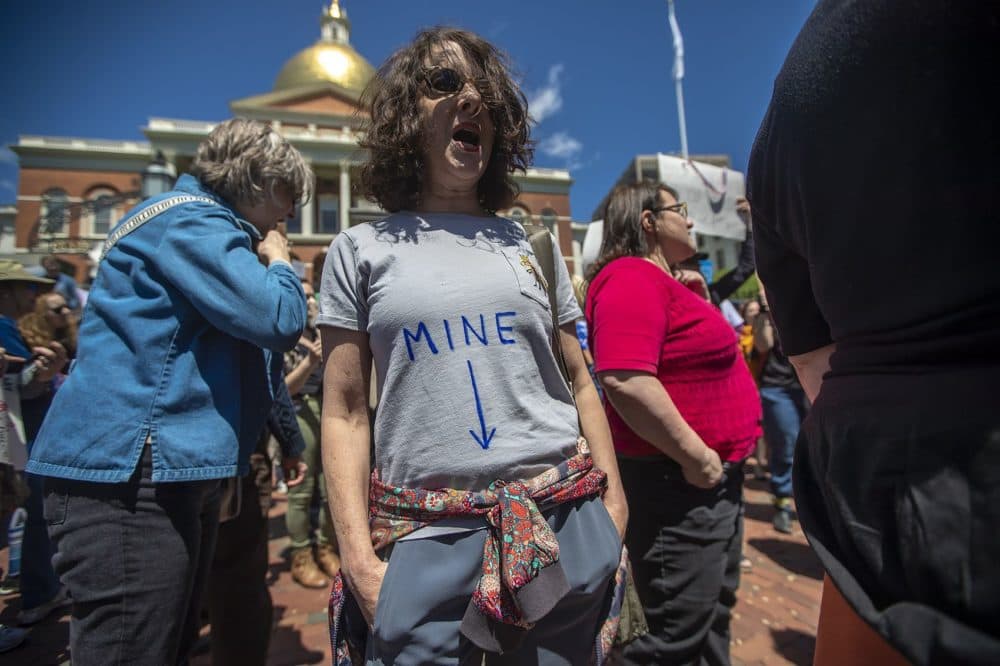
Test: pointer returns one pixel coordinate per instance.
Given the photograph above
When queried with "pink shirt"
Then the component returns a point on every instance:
(642, 319)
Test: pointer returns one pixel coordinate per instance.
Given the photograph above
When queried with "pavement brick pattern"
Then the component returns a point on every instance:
(774, 621)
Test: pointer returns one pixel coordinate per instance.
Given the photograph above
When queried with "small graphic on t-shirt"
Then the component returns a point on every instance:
(533, 269)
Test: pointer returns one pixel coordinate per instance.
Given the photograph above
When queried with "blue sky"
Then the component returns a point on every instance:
(598, 74)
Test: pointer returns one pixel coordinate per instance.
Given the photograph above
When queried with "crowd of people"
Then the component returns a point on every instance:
(611, 417)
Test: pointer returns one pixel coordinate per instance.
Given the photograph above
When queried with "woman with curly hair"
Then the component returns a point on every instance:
(52, 320)
(481, 530)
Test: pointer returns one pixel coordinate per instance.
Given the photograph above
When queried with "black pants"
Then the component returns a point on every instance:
(899, 496)
(685, 544)
(239, 603)
(134, 557)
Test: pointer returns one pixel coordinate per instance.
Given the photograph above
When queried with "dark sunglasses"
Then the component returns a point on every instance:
(59, 308)
(447, 81)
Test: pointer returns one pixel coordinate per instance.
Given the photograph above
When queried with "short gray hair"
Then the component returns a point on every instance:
(244, 160)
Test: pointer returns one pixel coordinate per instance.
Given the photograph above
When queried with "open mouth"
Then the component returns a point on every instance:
(467, 138)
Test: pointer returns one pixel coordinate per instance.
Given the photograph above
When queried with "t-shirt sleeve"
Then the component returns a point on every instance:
(779, 221)
(342, 302)
(785, 276)
(628, 323)
(569, 309)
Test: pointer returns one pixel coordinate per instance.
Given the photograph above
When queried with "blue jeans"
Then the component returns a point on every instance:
(135, 557)
(784, 408)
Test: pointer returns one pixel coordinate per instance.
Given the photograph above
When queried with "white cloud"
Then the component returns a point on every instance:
(547, 100)
(560, 145)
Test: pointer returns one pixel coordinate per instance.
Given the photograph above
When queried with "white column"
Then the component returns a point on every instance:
(309, 212)
(345, 195)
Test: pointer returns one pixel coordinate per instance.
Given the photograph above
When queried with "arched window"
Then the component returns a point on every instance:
(103, 210)
(55, 211)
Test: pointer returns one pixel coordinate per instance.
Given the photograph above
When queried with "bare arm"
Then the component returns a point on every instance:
(810, 367)
(297, 376)
(763, 333)
(595, 426)
(647, 409)
(347, 461)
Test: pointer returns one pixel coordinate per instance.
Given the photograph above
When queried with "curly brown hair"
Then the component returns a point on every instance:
(393, 175)
(38, 332)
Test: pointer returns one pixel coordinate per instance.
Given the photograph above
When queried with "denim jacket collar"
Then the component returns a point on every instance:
(191, 185)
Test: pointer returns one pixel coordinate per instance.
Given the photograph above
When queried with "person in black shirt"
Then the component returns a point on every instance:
(784, 406)
(873, 181)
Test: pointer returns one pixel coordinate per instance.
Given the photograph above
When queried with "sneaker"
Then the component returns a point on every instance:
(782, 519)
(11, 637)
(305, 572)
(328, 559)
(39, 613)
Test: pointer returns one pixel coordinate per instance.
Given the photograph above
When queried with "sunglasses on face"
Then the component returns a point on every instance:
(681, 208)
(447, 81)
(58, 308)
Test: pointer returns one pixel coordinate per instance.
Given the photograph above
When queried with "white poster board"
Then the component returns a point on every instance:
(12, 448)
(710, 192)
(591, 244)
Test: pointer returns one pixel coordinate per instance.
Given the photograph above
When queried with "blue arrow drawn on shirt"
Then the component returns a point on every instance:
(485, 440)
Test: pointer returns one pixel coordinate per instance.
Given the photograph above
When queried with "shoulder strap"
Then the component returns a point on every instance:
(542, 245)
(145, 215)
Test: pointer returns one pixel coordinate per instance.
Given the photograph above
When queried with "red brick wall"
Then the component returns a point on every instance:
(34, 182)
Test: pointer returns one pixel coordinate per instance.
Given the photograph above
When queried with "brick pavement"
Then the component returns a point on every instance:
(774, 621)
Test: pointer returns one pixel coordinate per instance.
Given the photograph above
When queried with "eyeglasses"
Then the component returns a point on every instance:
(59, 308)
(681, 208)
(447, 81)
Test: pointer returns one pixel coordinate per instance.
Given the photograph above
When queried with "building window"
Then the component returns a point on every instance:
(294, 225)
(649, 170)
(720, 259)
(102, 211)
(701, 241)
(54, 215)
(329, 214)
(549, 219)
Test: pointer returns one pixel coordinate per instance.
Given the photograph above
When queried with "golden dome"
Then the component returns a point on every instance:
(330, 60)
(325, 61)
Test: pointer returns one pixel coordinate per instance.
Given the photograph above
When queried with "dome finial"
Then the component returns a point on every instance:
(334, 26)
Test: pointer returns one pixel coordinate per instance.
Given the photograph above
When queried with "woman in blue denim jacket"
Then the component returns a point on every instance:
(169, 392)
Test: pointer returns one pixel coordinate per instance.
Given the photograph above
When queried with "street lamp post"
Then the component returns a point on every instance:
(158, 177)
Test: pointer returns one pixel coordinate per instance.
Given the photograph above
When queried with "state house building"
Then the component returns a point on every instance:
(72, 191)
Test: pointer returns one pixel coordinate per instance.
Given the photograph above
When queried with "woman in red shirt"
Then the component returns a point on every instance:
(684, 413)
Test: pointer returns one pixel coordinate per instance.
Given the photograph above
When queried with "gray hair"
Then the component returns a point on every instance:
(244, 160)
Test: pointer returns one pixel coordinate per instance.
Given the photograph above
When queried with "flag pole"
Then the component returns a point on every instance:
(678, 76)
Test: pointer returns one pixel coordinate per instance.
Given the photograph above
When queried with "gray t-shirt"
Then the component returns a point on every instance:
(460, 331)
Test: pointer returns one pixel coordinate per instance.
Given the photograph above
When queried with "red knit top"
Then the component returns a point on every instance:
(642, 319)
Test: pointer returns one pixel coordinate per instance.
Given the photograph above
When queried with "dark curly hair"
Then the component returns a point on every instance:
(393, 176)
(623, 234)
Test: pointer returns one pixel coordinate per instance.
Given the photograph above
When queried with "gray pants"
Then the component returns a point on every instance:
(429, 582)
